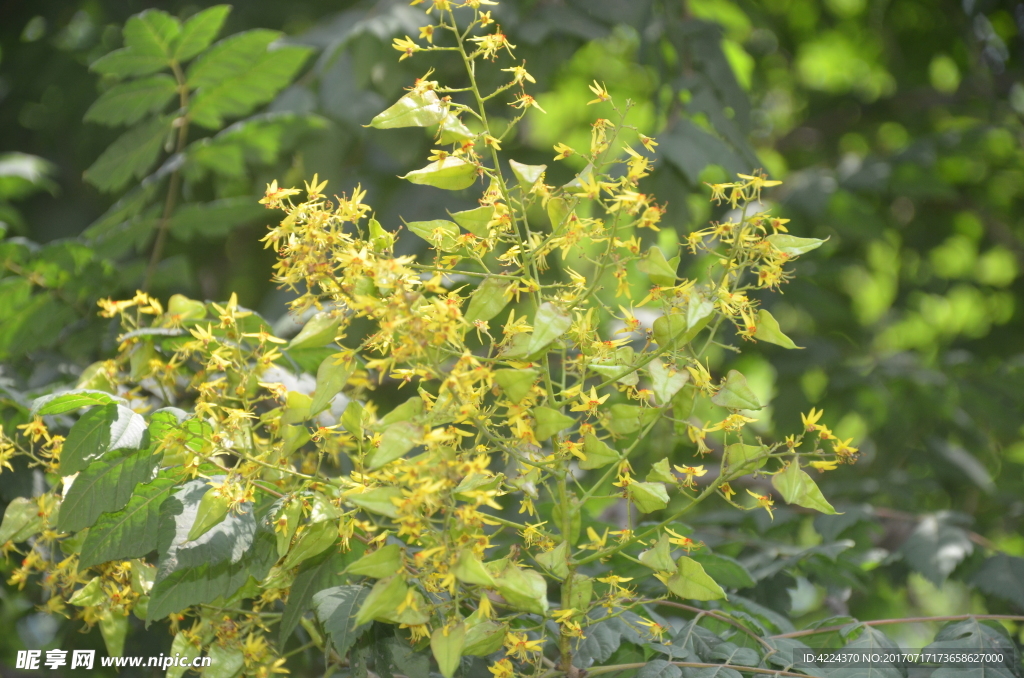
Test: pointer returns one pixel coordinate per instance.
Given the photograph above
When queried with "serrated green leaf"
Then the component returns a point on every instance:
(527, 175)
(130, 532)
(439, 233)
(199, 31)
(240, 94)
(936, 546)
(130, 156)
(100, 430)
(796, 487)
(550, 422)
(792, 245)
(104, 486)
(126, 62)
(625, 419)
(660, 668)
(336, 609)
(768, 330)
(397, 439)
(331, 377)
(550, 323)
(648, 497)
(1002, 576)
(415, 109)
(230, 57)
(59, 403)
(475, 221)
(451, 174)
(151, 33)
(129, 102)
(735, 394)
(488, 300)
(446, 645)
(691, 582)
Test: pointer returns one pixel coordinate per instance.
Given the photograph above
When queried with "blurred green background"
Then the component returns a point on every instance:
(896, 126)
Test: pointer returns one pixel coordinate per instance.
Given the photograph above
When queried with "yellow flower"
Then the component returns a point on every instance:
(563, 151)
(519, 74)
(599, 90)
(502, 669)
(525, 101)
(764, 501)
(648, 142)
(726, 489)
(427, 32)
(822, 466)
(810, 420)
(404, 45)
(518, 645)
(590, 402)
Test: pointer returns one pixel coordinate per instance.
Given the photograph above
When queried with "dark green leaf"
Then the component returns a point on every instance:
(213, 219)
(199, 31)
(336, 609)
(130, 532)
(105, 486)
(101, 429)
(393, 655)
(316, 574)
(725, 570)
(127, 103)
(936, 547)
(601, 641)
(130, 156)
(974, 636)
(1002, 576)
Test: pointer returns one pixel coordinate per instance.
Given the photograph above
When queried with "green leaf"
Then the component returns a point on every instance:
(660, 668)
(21, 521)
(527, 175)
(523, 589)
(648, 497)
(742, 458)
(680, 329)
(453, 130)
(130, 156)
(129, 102)
(792, 245)
(199, 31)
(213, 219)
(130, 532)
(660, 270)
(386, 595)
(725, 570)
(151, 33)
(975, 636)
(735, 394)
(550, 323)
(415, 109)
(550, 422)
(104, 486)
(661, 472)
(318, 331)
(446, 645)
(1002, 576)
(870, 641)
(470, 570)
(90, 594)
(213, 508)
(126, 62)
(393, 656)
(516, 384)
(331, 377)
(314, 540)
(488, 300)
(244, 89)
(626, 419)
(598, 453)
(440, 233)
(315, 575)
(407, 411)
(182, 647)
(475, 221)
(230, 57)
(451, 174)
(377, 501)
(937, 546)
(59, 403)
(225, 662)
(768, 330)
(100, 430)
(796, 487)
(659, 558)
(352, 419)
(483, 639)
(336, 609)
(114, 629)
(384, 562)
(691, 582)
(397, 439)
(555, 560)
(558, 211)
(216, 564)
(666, 381)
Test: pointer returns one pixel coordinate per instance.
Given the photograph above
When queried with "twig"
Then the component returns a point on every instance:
(904, 620)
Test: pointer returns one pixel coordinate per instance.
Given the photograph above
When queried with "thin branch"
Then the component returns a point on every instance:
(715, 615)
(904, 620)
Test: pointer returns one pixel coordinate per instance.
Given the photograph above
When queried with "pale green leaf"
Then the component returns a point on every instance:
(768, 330)
(488, 300)
(439, 233)
(691, 582)
(446, 645)
(666, 380)
(415, 109)
(527, 175)
(451, 174)
(793, 246)
(735, 394)
(127, 103)
(151, 33)
(100, 430)
(475, 221)
(648, 497)
(331, 377)
(199, 31)
(796, 487)
(550, 323)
